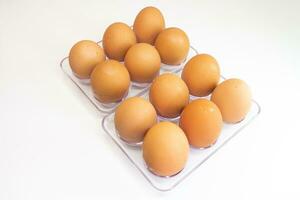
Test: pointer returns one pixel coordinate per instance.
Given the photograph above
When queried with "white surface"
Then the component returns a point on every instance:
(51, 145)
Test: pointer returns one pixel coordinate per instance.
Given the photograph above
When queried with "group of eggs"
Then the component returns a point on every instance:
(135, 54)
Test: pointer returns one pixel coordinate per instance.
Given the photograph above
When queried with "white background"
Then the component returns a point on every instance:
(51, 143)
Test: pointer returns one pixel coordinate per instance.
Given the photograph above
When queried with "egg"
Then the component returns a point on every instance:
(110, 81)
(133, 118)
(143, 62)
(233, 97)
(201, 74)
(148, 24)
(169, 95)
(117, 39)
(201, 120)
(165, 149)
(84, 56)
(173, 46)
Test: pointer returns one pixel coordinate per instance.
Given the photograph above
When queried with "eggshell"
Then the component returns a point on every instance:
(173, 46)
(148, 24)
(233, 97)
(165, 149)
(117, 39)
(143, 62)
(133, 118)
(201, 74)
(84, 56)
(201, 120)
(110, 81)
(169, 95)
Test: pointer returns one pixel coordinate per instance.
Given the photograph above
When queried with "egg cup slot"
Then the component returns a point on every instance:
(155, 174)
(85, 81)
(164, 68)
(140, 85)
(131, 144)
(174, 119)
(86, 89)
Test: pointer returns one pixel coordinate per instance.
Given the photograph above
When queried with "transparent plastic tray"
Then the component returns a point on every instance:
(196, 157)
(134, 89)
(134, 153)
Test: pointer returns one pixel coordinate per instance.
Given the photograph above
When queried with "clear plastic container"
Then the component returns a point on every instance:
(134, 89)
(134, 153)
(196, 157)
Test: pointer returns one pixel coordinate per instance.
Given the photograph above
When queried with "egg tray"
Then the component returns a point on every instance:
(134, 152)
(135, 89)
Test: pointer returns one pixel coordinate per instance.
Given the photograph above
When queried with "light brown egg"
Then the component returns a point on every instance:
(110, 81)
(148, 24)
(133, 118)
(201, 120)
(201, 74)
(143, 62)
(165, 149)
(173, 46)
(233, 97)
(169, 95)
(84, 56)
(117, 39)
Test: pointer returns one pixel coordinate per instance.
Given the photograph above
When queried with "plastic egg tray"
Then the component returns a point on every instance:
(134, 89)
(134, 152)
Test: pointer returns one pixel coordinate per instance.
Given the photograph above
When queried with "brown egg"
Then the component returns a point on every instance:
(165, 149)
(233, 97)
(133, 118)
(143, 62)
(201, 120)
(117, 39)
(169, 95)
(148, 24)
(110, 81)
(173, 46)
(201, 74)
(84, 56)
